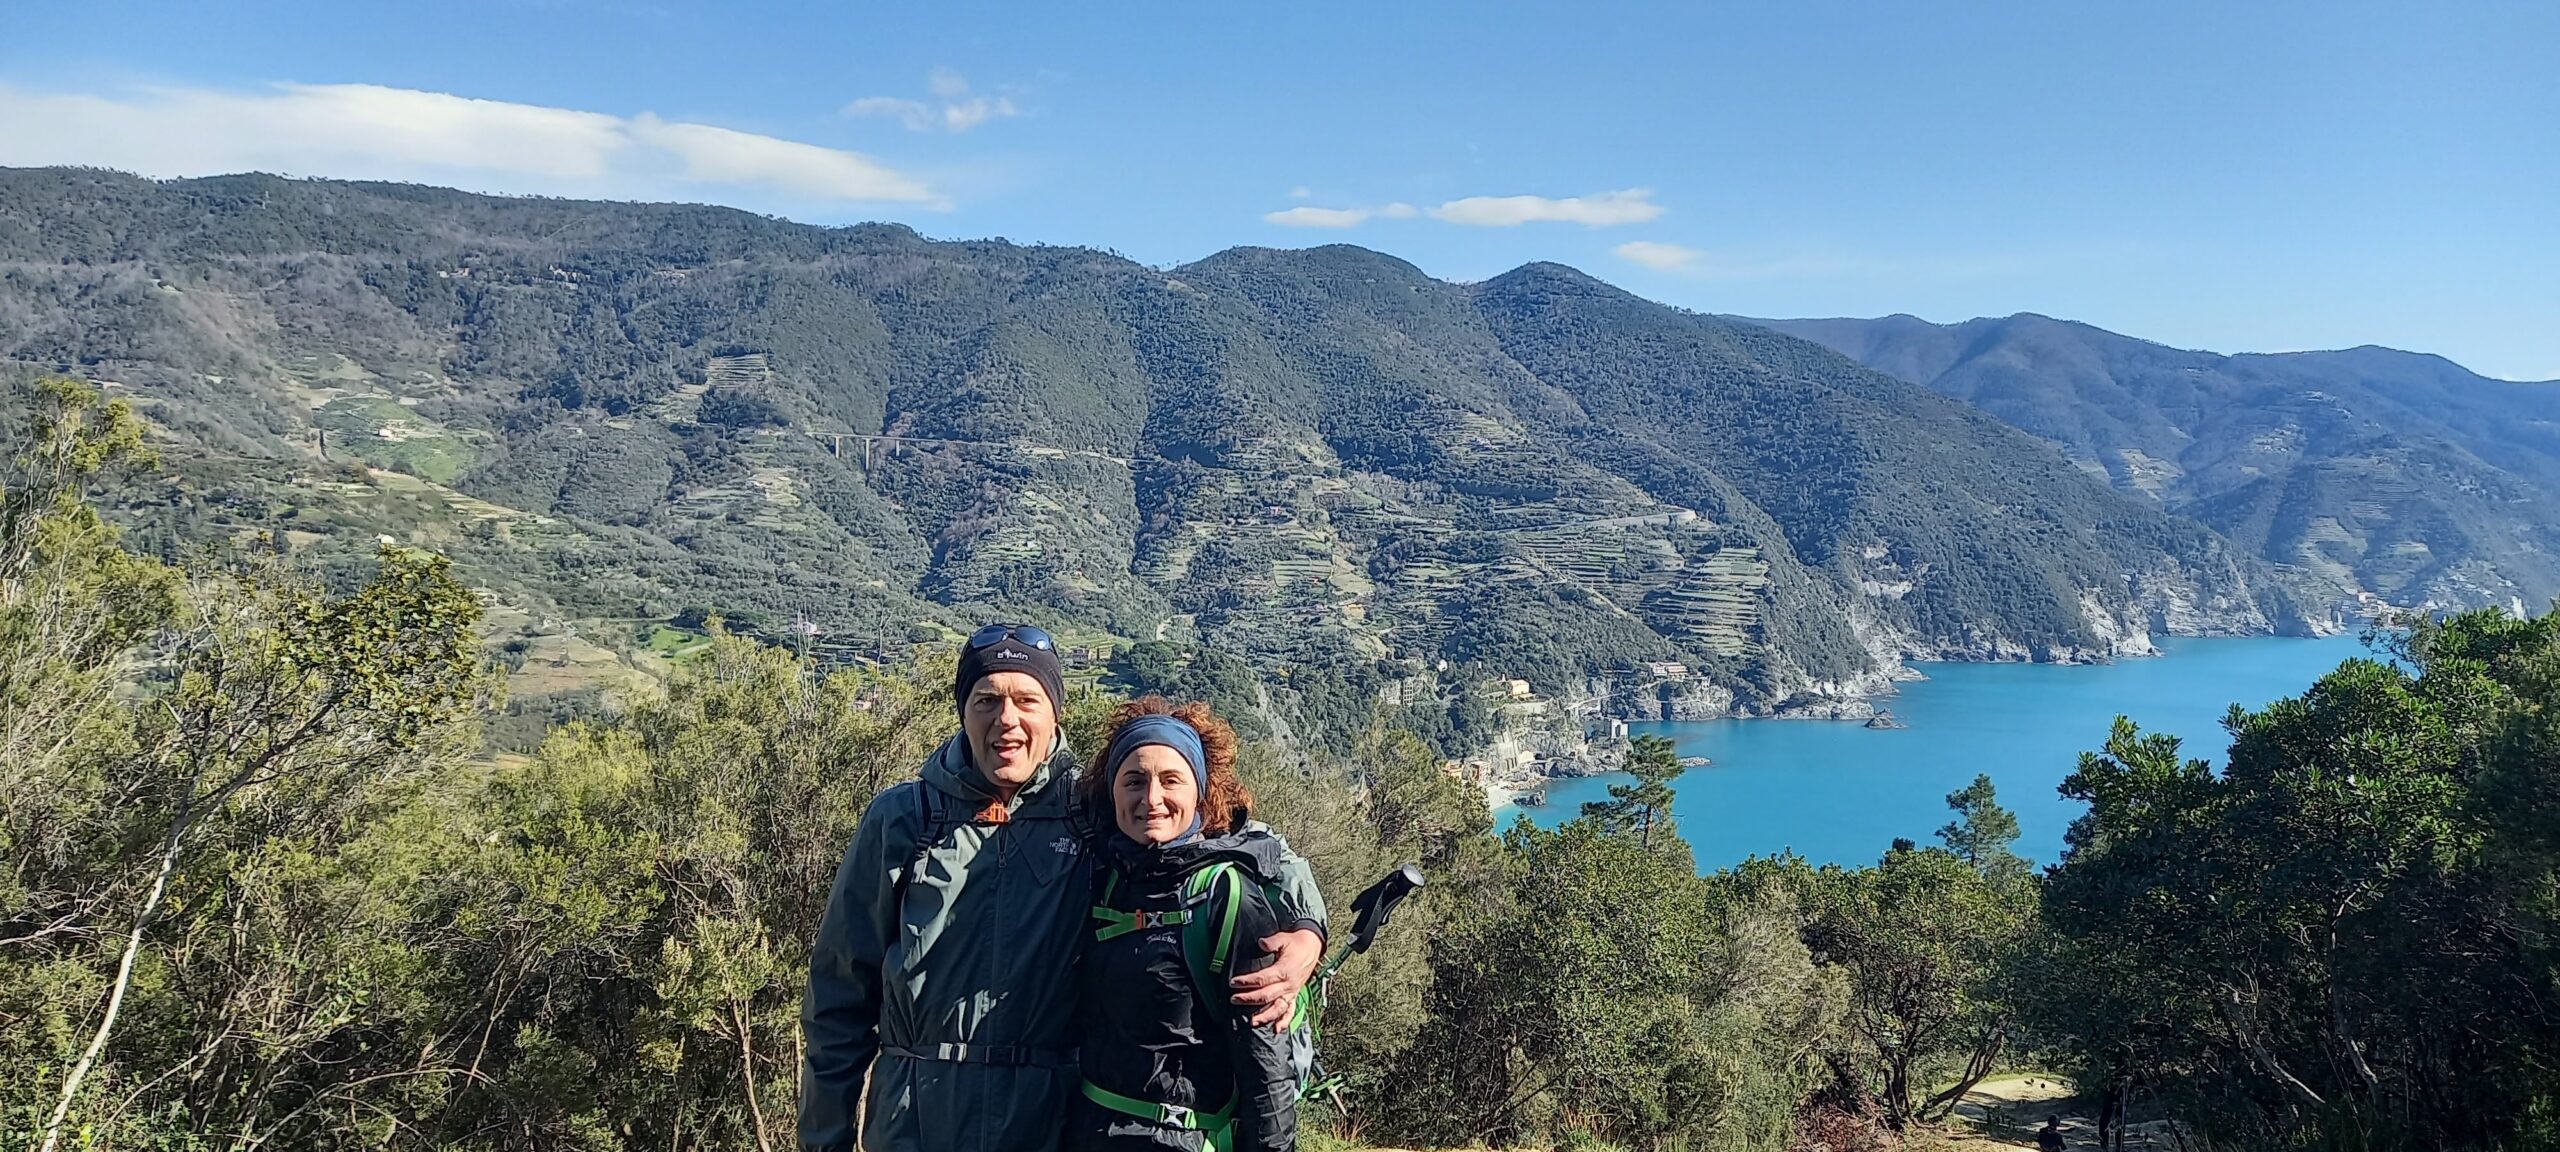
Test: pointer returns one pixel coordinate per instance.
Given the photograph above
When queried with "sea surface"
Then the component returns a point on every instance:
(1837, 792)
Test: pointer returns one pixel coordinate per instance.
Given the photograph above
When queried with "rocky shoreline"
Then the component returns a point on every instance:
(1518, 768)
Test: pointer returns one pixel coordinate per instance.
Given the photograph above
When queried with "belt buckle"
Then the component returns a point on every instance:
(1177, 1115)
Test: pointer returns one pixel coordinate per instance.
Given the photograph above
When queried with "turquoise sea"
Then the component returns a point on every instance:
(1838, 792)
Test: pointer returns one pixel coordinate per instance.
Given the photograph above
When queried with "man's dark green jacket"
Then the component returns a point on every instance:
(946, 971)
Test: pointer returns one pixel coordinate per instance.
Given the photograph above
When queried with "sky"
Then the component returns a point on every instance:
(2260, 177)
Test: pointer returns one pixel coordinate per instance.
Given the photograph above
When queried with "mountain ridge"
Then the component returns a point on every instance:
(1906, 320)
(2380, 471)
(1320, 459)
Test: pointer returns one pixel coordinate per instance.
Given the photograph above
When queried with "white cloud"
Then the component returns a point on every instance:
(1659, 254)
(366, 131)
(1309, 216)
(725, 156)
(952, 108)
(916, 114)
(1300, 192)
(302, 128)
(976, 110)
(1598, 210)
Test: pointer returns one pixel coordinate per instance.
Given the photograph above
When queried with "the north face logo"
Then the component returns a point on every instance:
(1065, 846)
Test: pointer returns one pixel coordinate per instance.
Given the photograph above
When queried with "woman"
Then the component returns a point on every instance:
(1180, 897)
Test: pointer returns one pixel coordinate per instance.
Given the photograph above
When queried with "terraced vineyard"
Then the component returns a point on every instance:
(1718, 606)
(739, 370)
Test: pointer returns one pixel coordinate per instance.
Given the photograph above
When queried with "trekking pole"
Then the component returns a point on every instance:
(1371, 910)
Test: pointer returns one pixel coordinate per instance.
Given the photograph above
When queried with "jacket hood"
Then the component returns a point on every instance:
(1252, 847)
(949, 769)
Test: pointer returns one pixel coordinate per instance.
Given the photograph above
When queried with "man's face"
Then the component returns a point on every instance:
(1011, 725)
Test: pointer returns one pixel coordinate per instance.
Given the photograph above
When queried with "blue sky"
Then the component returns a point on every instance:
(2254, 177)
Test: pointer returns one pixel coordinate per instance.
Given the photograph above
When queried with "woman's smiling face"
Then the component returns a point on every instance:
(1154, 794)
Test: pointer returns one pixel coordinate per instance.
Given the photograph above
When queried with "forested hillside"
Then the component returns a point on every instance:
(2370, 469)
(260, 888)
(1321, 460)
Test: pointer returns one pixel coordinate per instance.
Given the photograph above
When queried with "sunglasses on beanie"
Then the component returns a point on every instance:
(1028, 634)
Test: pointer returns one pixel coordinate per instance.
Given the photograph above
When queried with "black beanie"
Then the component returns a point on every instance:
(1010, 655)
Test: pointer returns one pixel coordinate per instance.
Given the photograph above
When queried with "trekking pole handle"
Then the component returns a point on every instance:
(1378, 901)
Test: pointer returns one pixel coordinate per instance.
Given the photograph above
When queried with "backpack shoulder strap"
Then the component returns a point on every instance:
(933, 810)
(1079, 821)
(1209, 938)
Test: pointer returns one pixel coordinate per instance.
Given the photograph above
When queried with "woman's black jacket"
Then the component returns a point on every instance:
(1147, 1033)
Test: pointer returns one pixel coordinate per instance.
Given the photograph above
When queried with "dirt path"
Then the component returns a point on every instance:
(2006, 1111)
(2002, 1114)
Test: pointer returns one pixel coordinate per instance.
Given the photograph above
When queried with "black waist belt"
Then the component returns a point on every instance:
(986, 1054)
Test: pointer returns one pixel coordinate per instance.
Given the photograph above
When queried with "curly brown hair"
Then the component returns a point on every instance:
(1229, 804)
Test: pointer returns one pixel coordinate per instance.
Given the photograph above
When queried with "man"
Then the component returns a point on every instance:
(942, 966)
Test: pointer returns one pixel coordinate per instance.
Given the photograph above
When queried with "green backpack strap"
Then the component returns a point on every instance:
(1169, 1115)
(1195, 948)
(1208, 942)
(1208, 947)
(1114, 921)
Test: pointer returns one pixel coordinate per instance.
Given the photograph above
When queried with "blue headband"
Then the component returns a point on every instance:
(1172, 732)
